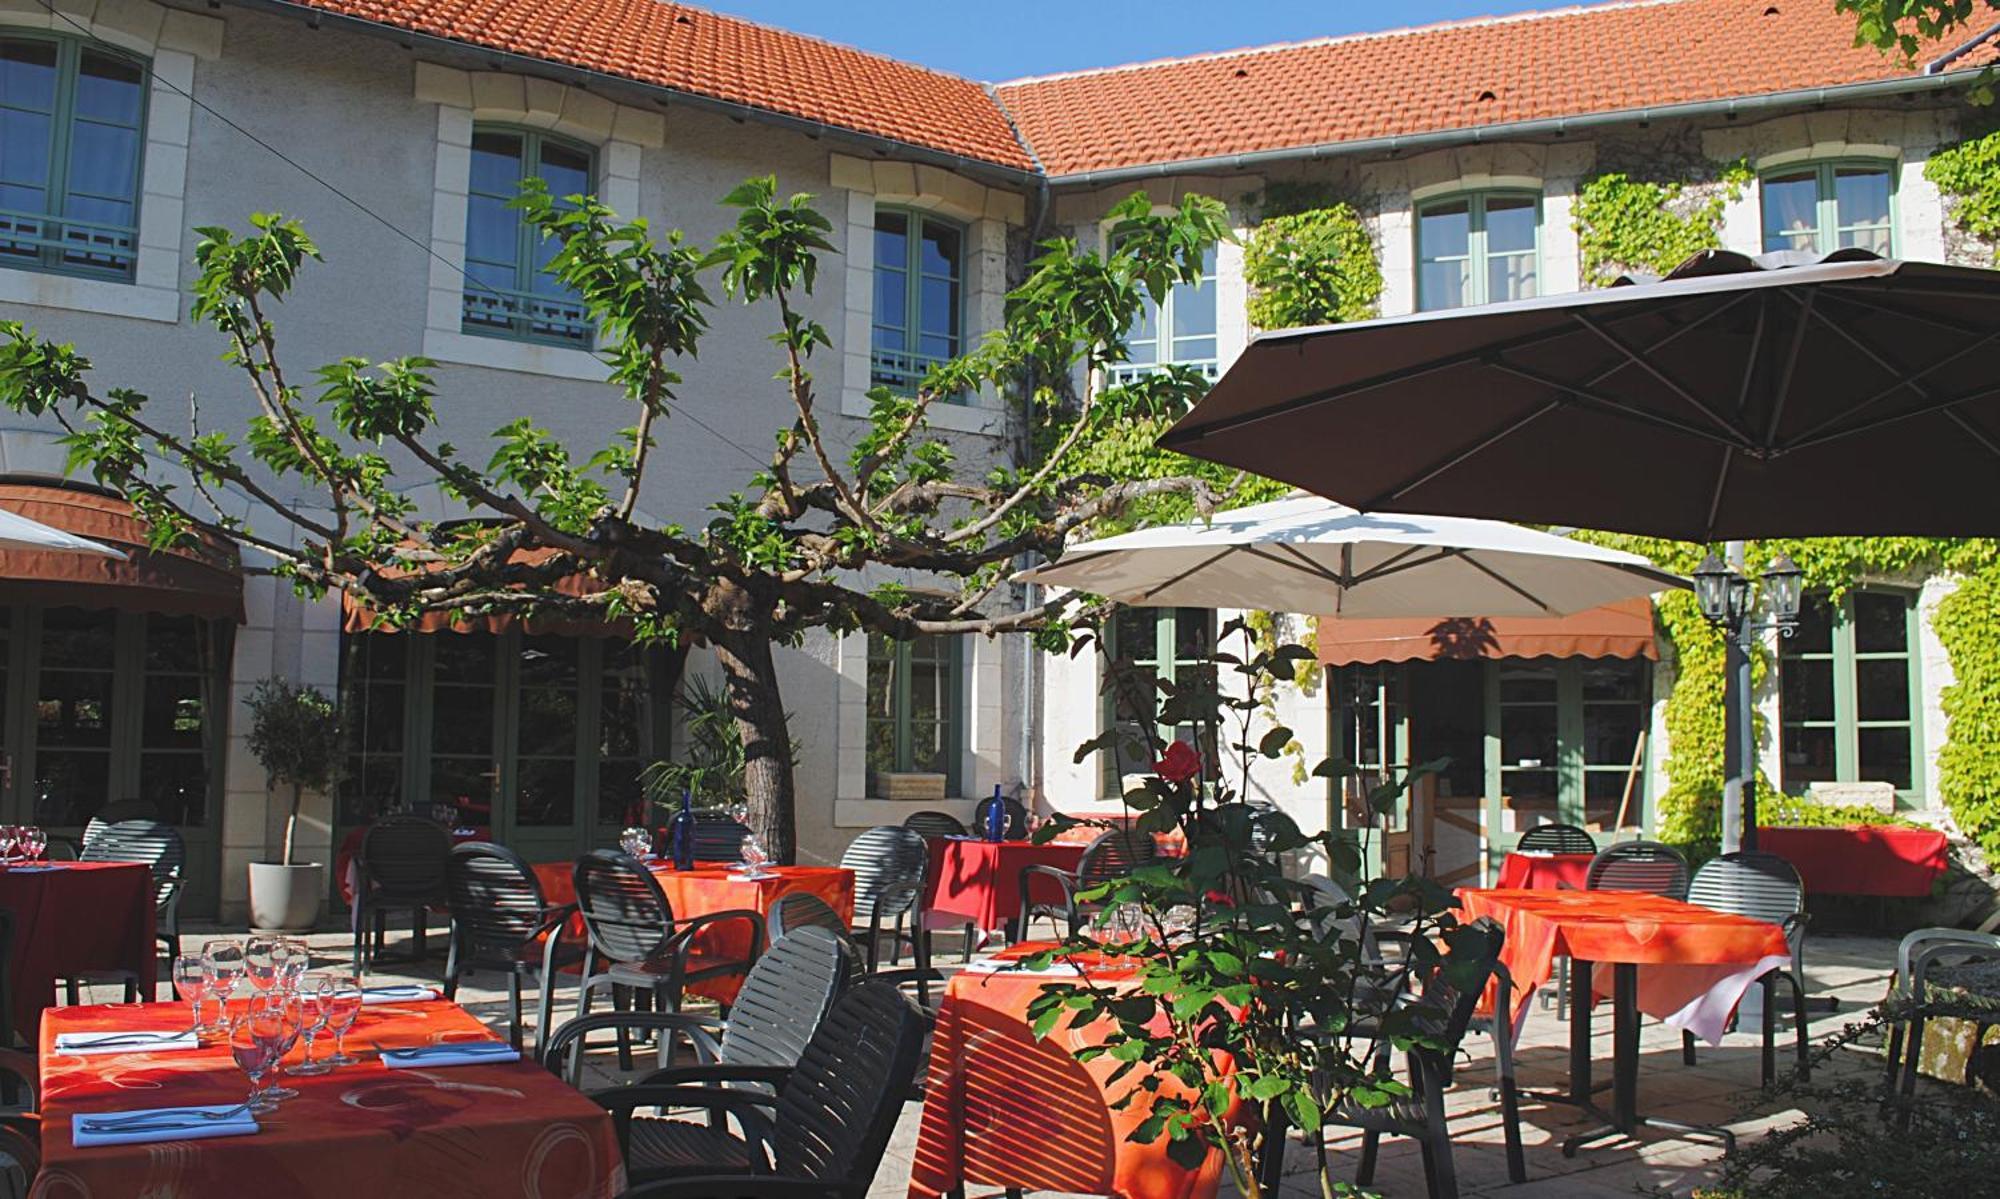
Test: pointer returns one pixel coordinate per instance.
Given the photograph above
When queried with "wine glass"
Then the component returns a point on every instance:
(225, 969)
(260, 959)
(191, 984)
(253, 1039)
(315, 996)
(8, 836)
(291, 1021)
(294, 959)
(343, 1009)
(37, 842)
(636, 842)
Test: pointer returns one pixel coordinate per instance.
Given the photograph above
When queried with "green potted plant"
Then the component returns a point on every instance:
(295, 735)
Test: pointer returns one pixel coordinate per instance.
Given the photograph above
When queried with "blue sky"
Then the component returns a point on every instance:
(1006, 39)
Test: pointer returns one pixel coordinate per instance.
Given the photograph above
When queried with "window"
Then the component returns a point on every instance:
(1565, 743)
(1180, 332)
(1829, 206)
(1478, 248)
(919, 296)
(507, 293)
(1847, 687)
(913, 708)
(72, 118)
(1371, 733)
(1155, 643)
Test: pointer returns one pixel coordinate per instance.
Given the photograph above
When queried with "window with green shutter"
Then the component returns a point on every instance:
(1152, 643)
(72, 135)
(508, 293)
(914, 714)
(1827, 206)
(1478, 248)
(919, 296)
(1848, 688)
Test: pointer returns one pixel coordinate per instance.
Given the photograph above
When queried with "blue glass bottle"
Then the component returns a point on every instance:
(994, 825)
(680, 834)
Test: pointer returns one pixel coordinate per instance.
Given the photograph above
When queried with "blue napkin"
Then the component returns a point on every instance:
(38, 869)
(171, 1124)
(463, 1053)
(406, 993)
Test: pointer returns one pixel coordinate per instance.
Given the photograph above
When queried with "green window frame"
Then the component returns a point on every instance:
(915, 716)
(1183, 330)
(1466, 239)
(508, 293)
(919, 319)
(1561, 738)
(1847, 208)
(1171, 644)
(1368, 715)
(73, 210)
(1850, 691)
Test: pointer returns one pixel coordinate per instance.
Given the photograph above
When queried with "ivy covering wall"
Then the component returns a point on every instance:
(1626, 225)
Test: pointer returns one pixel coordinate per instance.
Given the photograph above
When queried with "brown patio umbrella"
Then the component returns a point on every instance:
(1739, 397)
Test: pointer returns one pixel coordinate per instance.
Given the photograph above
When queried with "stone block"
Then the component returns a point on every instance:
(132, 24)
(161, 222)
(437, 84)
(167, 117)
(544, 100)
(198, 35)
(897, 179)
(454, 125)
(588, 115)
(454, 169)
(851, 173)
(500, 95)
(621, 160)
(640, 126)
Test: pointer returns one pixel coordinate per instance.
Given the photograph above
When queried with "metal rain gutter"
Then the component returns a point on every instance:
(600, 82)
(1556, 126)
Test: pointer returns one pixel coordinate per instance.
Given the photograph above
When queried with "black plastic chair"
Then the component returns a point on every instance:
(501, 921)
(1639, 866)
(935, 824)
(1114, 854)
(1556, 838)
(826, 1128)
(888, 862)
(633, 935)
(1762, 886)
(718, 837)
(401, 867)
(1017, 816)
(158, 847)
(1921, 952)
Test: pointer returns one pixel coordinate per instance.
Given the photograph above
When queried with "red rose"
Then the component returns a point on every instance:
(1180, 764)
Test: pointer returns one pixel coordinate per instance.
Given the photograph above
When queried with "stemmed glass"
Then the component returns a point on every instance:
(9, 835)
(34, 842)
(224, 960)
(253, 1042)
(294, 959)
(315, 997)
(260, 958)
(343, 1006)
(291, 1021)
(191, 984)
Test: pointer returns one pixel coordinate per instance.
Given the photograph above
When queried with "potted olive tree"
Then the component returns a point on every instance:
(295, 735)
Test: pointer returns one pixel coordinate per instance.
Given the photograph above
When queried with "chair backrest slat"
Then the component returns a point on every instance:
(785, 996)
(403, 857)
(625, 913)
(496, 901)
(1762, 886)
(888, 862)
(1557, 838)
(718, 837)
(1115, 854)
(156, 845)
(935, 824)
(837, 1110)
(1639, 866)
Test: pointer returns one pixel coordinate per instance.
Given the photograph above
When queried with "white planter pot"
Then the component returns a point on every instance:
(285, 899)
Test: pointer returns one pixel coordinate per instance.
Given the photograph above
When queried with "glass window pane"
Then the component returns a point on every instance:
(462, 720)
(1510, 224)
(1527, 685)
(1791, 211)
(466, 784)
(1614, 681)
(1861, 196)
(940, 307)
(24, 157)
(109, 88)
(1806, 689)
(1882, 689)
(1809, 756)
(73, 708)
(1814, 634)
(1885, 756)
(172, 715)
(1881, 623)
(1443, 284)
(1445, 230)
(70, 786)
(1510, 277)
(28, 74)
(892, 240)
(1528, 737)
(1611, 733)
(1606, 803)
(176, 784)
(1191, 634)
(103, 160)
(496, 162)
(892, 309)
(545, 792)
(942, 249)
(566, 169)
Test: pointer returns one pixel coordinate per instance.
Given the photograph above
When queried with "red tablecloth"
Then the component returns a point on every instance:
(1541, 872)
(350, 849)
(1860, 859)
(1695, 963)
(980, 881)
(365, 1130)
(711, 887)
(73, 918)
(1004, 1109)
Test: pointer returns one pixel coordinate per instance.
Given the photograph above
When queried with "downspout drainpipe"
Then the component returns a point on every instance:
(1028, 752)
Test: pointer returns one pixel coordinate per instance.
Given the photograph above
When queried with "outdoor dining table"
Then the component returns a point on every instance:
(1684, 964)
(1544, 871)
(715, 887)
(72, 919)
(978, 882)
(1861, 859)
(1002, 1108)
(506, 1128)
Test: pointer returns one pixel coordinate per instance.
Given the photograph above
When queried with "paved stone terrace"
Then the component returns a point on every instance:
(1721, 1089)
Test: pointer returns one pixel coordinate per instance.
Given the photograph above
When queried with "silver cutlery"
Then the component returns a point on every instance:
(163, 1118)
(124, 1038)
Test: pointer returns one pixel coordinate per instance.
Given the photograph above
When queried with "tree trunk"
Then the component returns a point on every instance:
(751, 676)
(291, 825)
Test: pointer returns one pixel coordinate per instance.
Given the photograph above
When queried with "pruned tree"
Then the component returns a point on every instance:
(803, 546)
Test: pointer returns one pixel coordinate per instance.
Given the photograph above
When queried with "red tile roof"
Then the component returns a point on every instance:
(726, 58)
(1571, 62)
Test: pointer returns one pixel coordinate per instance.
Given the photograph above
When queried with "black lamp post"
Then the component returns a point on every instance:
(1724, 597)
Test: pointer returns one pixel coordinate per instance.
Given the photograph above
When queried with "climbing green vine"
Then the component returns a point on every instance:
(1969, 173)
(1625, 224)
(1310, 261)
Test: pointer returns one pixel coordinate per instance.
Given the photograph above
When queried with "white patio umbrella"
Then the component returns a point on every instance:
(17, 532)
(1311, 555)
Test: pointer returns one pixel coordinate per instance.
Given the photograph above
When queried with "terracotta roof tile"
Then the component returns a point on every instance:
(694, 50)
(1494, 71)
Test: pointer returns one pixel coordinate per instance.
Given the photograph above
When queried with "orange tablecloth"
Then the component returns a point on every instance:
(980, 881)
(365, 1130)
(72, 919)
(1694, 963)
(1541, 872)
(710, 887)
(1004, 1109)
